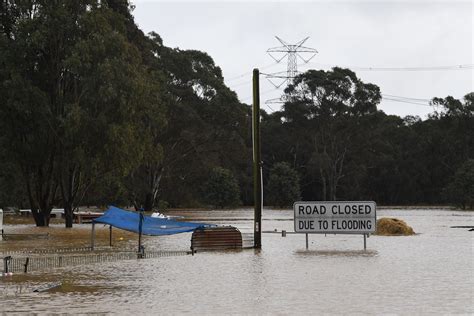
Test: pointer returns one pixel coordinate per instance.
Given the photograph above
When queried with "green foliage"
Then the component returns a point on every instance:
(283, 187)
(12, 191)
(163, 205)
(332, 134)
(323, 110)
(221, 188)
(75, 101)
(206, 127)
(96, 112)
(460, 190)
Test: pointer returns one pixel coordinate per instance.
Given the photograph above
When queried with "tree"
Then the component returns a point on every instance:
(283, 187)
(112, 137)
(221, 189)
(328, 105)
(32, 54)
(460, 190)
(76, 93)
(205, 127)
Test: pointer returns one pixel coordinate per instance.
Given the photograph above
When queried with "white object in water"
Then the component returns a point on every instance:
(159, 215)
(163, 216)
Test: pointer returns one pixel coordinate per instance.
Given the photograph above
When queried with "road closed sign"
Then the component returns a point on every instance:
(335, 217)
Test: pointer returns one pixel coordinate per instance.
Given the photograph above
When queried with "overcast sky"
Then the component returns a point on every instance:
(346, 33)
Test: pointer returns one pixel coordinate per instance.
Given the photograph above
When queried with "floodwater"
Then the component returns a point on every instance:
(429, 273)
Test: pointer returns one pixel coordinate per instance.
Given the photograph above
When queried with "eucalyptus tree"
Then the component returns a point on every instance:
(205, 126)
(75, 93)
(460, 190)
(33, 47)
(327, 106)
(448, 142)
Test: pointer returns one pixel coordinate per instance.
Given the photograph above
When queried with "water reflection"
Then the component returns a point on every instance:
(337, 253)
(431, 273)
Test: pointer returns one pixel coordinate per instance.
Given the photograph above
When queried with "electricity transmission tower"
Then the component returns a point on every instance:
(292, 52)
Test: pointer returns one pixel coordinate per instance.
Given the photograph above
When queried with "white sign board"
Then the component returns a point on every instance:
(335, 217)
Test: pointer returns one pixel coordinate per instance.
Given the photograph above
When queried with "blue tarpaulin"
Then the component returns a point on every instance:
(151, 226)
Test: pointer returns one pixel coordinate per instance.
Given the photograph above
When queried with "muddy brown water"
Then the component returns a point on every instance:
(429, 273)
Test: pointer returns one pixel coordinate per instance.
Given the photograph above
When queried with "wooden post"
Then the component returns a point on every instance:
(6, 264)
(257, 164)
(307, 242)
(140, 227)
(93, 236)
(365, 241)
(110, 235)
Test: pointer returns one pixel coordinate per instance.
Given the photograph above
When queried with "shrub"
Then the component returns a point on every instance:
(461, 190)
(283, 186)
(221, 189)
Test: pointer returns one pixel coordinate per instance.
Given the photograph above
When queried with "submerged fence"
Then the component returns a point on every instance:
(37, 261)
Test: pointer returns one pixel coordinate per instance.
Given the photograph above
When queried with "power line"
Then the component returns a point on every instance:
(249, 73)
(292, 67)
(418, 68)
(405, 101)
(386, 97)
(409, 100)
(359, 68)
(405, 98)
(268, 106)
(241, 84)
(263, 93)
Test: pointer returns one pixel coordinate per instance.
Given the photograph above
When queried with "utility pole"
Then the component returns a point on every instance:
(257, 163)
(292, 52)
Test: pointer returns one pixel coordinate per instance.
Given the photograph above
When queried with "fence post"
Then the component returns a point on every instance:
(26, 264)
(93, 236)
(6, 264)
(110, 235)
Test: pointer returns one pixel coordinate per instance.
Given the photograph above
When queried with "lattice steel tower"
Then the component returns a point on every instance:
(293, 52)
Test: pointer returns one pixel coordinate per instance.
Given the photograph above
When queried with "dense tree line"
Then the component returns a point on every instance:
(343, 148)
(95, 112)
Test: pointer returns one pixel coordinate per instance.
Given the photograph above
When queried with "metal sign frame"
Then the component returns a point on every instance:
(318, 216)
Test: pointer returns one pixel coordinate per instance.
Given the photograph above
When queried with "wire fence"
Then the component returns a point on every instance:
(37, 261)
(52, 250)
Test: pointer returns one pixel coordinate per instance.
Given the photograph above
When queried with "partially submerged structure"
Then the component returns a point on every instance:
(216, 238)
(142, 225)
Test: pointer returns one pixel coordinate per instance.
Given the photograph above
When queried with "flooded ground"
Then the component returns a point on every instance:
(429, 273)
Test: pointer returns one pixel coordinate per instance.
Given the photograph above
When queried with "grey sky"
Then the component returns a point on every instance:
(353, 33)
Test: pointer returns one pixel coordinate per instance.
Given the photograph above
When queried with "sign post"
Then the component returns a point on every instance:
(335, 217)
